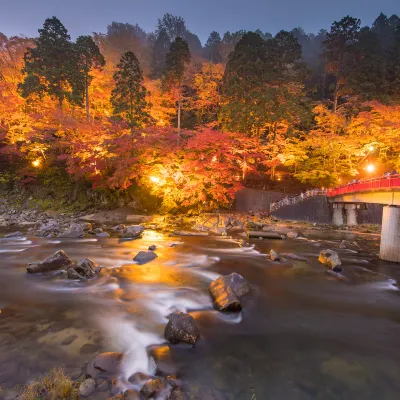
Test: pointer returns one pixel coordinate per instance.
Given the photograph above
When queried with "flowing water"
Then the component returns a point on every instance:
(301, 335)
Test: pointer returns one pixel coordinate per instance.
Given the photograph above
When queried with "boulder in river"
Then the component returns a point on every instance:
(132, 232)
(86, 226)
(223, 296)
(181, 327)
(73, 231)
(86, 388)
(274, 256)
(13, 235)
(73, 274)
(330, 258)
(237, 283)
(59, 260)
(153, 388)
(106, 364)
(50, 228)
(153, 247)
(144, 257)
(87, 268)
(131, 394)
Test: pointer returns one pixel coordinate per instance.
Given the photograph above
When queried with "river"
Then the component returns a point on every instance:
(301, 335)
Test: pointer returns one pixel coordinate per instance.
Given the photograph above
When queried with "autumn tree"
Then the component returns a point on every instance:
(89, 57)
(51, 67)
(177, 60)
(129, 95)
(339, 45)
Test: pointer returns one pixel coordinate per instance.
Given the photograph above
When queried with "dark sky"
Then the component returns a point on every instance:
(202, 16)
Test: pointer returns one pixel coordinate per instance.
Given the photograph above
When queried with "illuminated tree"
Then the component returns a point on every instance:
(129, 95)
(177, 60)
(89, 57)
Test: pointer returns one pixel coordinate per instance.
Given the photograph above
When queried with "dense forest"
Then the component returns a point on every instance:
(189, 123)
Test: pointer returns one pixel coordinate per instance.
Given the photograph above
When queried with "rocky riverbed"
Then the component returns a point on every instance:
(216, 306)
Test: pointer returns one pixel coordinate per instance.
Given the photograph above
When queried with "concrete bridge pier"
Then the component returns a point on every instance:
(337, 218)
(351, 214)
(390, 236)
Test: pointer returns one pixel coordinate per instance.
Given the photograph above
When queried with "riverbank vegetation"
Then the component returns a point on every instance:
(163, 114)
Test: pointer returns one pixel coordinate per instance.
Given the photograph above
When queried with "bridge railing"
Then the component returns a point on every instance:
(288, 201)
(384, 182)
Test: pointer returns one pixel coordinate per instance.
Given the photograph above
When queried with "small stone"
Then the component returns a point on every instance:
(345, 244)
(181, 327)
(98, 230)
(144, 257)
(330, 258)
(102, 385)
(274, 256)
(86, 388)
(153, 247)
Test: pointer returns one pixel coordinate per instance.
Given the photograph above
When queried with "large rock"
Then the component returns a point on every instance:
(59, 260)
(86, 388)
(103, 235)
(50, 228)
(106, 364)
(144, 257)
(223, 296)
(330, 258)
(87, 268)
(73, 274)
(74, 231)
(238, 284)
(181, 327)
(132, 232)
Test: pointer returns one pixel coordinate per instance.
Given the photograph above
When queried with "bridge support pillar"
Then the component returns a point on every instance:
(337, 218)
(390, 236)
(351, 213)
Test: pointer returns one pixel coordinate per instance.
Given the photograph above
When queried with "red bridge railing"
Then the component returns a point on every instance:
(384, 182)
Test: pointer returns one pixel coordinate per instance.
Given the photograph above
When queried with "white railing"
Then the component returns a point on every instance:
(288, 201)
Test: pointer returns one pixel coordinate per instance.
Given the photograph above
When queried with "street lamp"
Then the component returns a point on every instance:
(370, 168)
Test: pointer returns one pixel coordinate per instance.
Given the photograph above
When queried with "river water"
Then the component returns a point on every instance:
(301, 334)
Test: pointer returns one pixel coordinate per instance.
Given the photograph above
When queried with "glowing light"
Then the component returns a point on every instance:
(340, 179)
(155, 179)
(371, 148)
(36, 163)
(370, 168)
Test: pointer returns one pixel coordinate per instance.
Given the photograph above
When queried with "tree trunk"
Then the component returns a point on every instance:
(60, 102)
(179, 112)
(335, 97)
(87, 95)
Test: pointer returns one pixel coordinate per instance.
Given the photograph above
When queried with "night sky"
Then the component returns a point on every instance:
(201, 16)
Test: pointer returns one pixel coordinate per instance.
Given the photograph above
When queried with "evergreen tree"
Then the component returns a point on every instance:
(160, 50)
(128, 98)
(89, 57)
(339, 45)
(176, 61)
(212, 48)
(51, 67)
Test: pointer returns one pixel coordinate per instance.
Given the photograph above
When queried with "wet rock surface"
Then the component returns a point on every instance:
(181, 328)
(87, 387)
(105, 364)
(132, 232)
(59, 260)
(223, 296)
(330, 258)
(144, 257)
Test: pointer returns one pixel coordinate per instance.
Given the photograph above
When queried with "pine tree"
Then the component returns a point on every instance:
(176, 61)
(89, 57)
(211, 49)
(51, 67)
(160, 50)
(128, 98)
